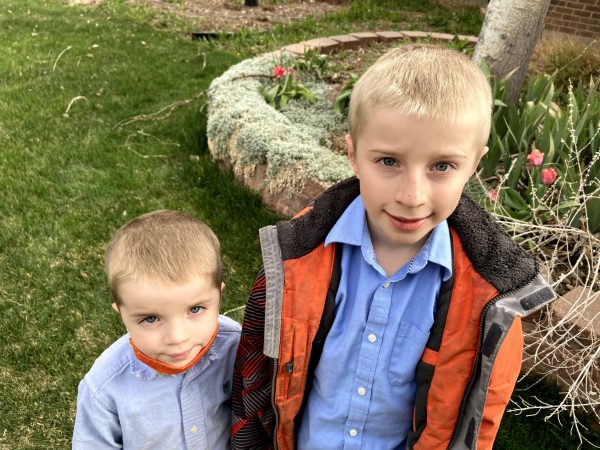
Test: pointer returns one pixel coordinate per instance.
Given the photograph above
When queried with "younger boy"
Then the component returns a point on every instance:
(387, 315)
(166, 384)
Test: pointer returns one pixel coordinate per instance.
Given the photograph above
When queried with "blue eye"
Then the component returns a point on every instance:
(150, 319)
(388, 162)
(196, 309)
(442, 167)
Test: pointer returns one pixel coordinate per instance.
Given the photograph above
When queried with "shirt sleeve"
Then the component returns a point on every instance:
(96, 425)
(253, 414)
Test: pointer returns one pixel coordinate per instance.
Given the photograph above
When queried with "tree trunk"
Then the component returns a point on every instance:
(508, 35)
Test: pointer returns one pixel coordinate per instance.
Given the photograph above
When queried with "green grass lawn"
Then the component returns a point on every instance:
(70, 176)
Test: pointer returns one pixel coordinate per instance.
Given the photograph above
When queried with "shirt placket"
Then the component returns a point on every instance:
(192, 412)
(368, 358)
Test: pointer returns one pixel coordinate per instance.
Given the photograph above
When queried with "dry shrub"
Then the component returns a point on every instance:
(569, 57)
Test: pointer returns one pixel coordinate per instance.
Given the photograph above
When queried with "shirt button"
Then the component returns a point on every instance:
(386, 284)
(372, 338)
(194, 429)
(362, 391)
(353, 432)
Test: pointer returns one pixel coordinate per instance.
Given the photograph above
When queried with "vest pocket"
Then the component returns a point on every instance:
(408, 348)
(292, 368)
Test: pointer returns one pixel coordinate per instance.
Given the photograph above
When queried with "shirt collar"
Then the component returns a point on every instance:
(351, 229)
(437, 249)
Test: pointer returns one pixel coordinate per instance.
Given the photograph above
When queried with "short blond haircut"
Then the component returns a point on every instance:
(425, 82)
(163, 246)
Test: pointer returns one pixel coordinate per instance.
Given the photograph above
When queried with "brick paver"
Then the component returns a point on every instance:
(355, 40)
(345, 41)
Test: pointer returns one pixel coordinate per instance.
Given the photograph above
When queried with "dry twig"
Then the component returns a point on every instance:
(162, 114)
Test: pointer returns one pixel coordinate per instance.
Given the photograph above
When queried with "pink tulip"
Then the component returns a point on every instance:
(549, 176)
(279, 71)
(535, 158)
(493, 195)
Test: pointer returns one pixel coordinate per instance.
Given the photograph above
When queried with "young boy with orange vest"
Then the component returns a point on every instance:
(388, 314)
(166, 384)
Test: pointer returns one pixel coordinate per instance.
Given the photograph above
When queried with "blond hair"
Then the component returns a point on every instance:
(167, 246)
(425, 82)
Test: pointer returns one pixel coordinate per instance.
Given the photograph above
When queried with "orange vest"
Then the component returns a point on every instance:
(453, 363)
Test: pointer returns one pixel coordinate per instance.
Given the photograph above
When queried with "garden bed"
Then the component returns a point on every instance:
(289, 156)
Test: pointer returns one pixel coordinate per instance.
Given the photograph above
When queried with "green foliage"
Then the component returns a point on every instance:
(461, 45)
(359, 15)
(564, 127)
(70, 180)
(288, 139)
(522, 430)
(286, 86)
(312, 62)
(343, 99)
(287, 72)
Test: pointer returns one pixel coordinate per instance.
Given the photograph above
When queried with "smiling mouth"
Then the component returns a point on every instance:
(404, 224)
(180, 356)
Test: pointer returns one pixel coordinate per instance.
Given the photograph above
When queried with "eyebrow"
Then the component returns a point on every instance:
(154, 313)
(397, 152)
(141, 314)
(453, 155)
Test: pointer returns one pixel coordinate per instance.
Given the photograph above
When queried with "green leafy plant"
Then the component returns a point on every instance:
(461, 45)
(343, 99)
(312, 62)
(287, 86)
(544, 167)
(563, 128)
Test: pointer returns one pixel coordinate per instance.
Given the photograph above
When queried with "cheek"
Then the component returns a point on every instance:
(208, 321)
(449, 195)
(144, 341)
(369, 195)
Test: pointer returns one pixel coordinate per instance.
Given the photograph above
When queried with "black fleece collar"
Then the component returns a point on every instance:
(494, 255)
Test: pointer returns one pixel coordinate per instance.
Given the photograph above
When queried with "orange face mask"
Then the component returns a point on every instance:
(169, 369)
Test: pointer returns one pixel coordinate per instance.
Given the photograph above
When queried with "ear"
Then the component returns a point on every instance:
(222, 286)
(484, 150)
(482, 153)
(352, 155)
(116, 308)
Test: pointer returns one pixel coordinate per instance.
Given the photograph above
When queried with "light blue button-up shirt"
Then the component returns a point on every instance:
(364, 384)
(124, 404)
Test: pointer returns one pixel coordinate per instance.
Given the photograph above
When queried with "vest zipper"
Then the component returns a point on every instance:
(478, 360)
(476, 367)
(273, 404)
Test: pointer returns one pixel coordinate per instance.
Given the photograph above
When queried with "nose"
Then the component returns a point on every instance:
(411, 190)
(176, 333)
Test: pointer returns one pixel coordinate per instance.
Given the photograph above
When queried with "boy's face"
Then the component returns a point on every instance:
(170, 322)
(412, 173)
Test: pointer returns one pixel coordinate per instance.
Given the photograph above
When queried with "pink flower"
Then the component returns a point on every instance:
(535, 158)
(279, 71)
(493, 195)
(291, 70)
(549, 176)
